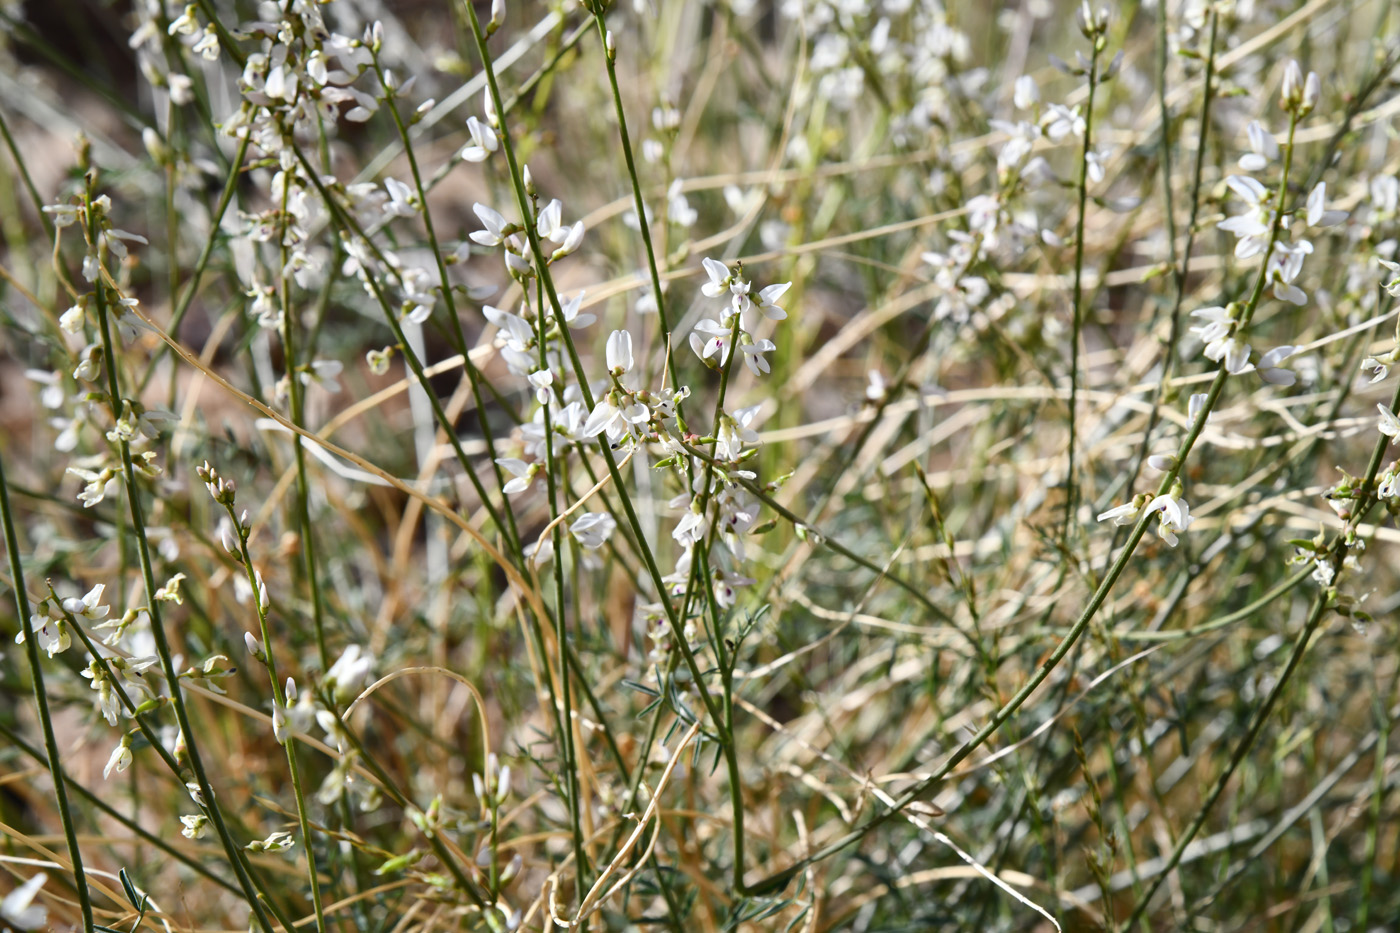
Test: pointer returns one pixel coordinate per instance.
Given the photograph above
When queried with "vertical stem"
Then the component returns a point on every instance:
(279, 696)
(610, 56)
(41, 701)
(561, 629)
(1071, 488)
(297, 398)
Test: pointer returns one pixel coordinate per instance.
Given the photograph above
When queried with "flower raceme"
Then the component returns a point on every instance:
(710, 339)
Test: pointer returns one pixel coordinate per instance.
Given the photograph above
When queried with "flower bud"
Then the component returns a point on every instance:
(255, 647)
(498, 16)
(121, 758)
(1312, 90)
(1292, 94)
(1162, 462)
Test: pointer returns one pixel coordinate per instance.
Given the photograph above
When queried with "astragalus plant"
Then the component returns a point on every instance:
(700, 465)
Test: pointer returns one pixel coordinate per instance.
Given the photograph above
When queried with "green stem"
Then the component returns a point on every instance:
(279, 696)
(297, 399)
(561, 629)
(610, 56)
(1071, 488)
(41, 701)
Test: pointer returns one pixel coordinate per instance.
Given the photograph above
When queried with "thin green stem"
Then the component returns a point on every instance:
(610, 57)
(41, 702)
(296, 396)
(279, 697)
(1071, 487)
(561, 628)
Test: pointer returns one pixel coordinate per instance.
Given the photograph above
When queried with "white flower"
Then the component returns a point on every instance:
(570, 309)
(725, 584)
(516, 332)
(63, 214)
(1059, 121)
(1173, 515)
(18, 908)
(350, 671)
(1390, 425)
(572, 238)
(494, 234)
(1312, 91)
(89, 606)
(276, 842)
(753, 356)
(1263, 148)
(768, 301)
(1292, 92)
(52, 634)
(403, 200)
(619, 352)
(1269, 370)
(1374, 366)
(710, 338)
(323, 373)
(129, 323)
(483, 142)
(539, 552)
(279, 723)
(170, 592)
(1253, 226)
(691, 527)
(71, 321)
(1318, 214)
(1026, 94)
(720, 278)
(1194, 406)
(1393, 286)
(592, 529)
(1161, 462)
(550, 225)
(1284, 265)
(1218, 323)
(876, 389)
(120, 760)
(52, 394)
(1234, 351)
(735, 432)
(196, 826)
(605, 417)
(1121, 515)
(523, 472)
(1389, 484)
(543, 381)
(1094, 165)
(678, 209)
